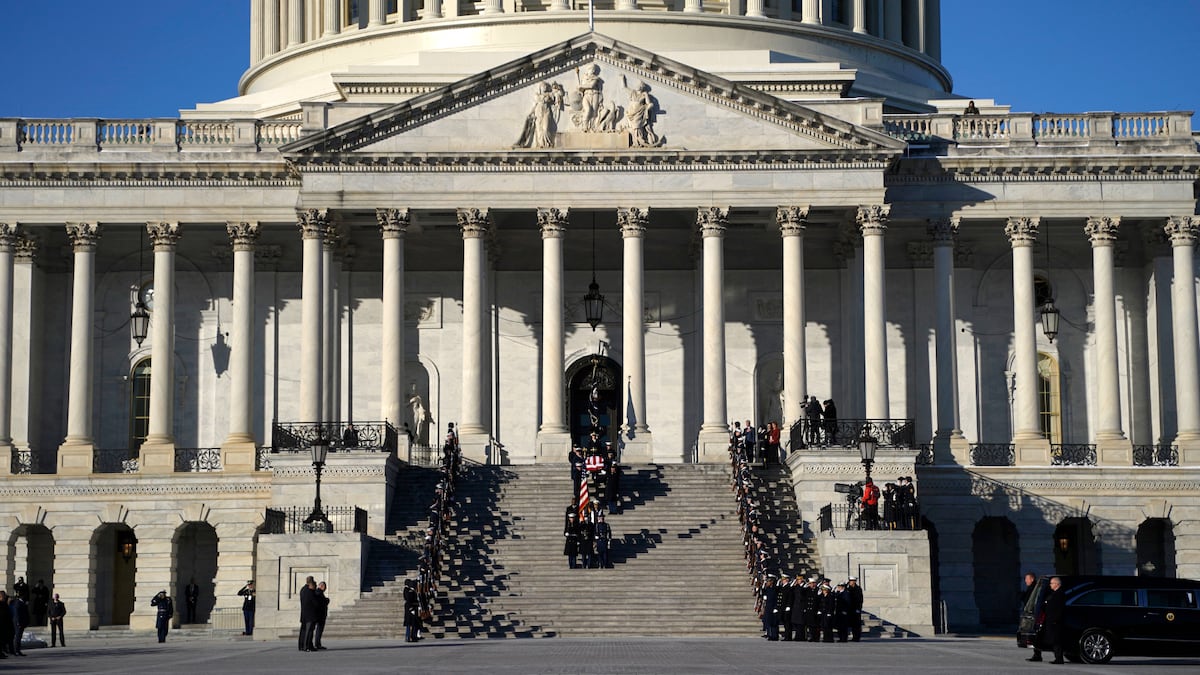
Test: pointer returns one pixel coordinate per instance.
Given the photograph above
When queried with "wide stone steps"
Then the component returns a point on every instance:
(677, 553)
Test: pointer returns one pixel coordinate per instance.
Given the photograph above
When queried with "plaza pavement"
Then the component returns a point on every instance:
(562, 656)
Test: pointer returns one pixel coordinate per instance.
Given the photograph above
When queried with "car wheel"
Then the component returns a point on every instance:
(1095, 646)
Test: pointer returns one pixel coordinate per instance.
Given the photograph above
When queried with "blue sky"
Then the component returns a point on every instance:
(150, 58)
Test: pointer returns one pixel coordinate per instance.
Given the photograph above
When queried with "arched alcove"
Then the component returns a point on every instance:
(1075, 547)
(114, 570)
(1156, 548)
(996, 553)
(195, 552)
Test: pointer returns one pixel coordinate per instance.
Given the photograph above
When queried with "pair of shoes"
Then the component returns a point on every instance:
(1058, 661)
(322, 647)
(1034, 658)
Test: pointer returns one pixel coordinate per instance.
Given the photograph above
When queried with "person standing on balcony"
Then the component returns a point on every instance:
(812, 411)
(350, 436)
(870, 506)
(830, 422)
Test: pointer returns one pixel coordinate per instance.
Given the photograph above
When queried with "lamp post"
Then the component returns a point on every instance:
(319, 448)
(867, 445)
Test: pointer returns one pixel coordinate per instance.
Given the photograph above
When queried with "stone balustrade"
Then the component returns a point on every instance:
(172, 135)
(1102, 130)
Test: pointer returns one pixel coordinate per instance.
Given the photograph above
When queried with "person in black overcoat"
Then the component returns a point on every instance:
(770, 607)
(613, 489)
(412, 611)
(854, 605)
(787, 595)
(828, 609)
(571, 539)
(812, 611)
(1052, 625)
(308, 615)
(6, 625)
(162, 619)
(322, 614)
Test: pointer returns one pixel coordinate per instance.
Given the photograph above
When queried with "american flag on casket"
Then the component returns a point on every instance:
(594, 463)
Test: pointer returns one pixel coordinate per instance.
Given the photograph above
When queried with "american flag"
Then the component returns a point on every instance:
(583, 498)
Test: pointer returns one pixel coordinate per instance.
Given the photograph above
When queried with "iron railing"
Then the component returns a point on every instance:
(190, 460)
(1073, 454)
(848, 516)
(423, 455)
(22, 462)
(845, 433)
(1156, 455)
(291, 520)
(114, 460)
(339, 436)
(924, 454)
(262, 459)
(993, 454)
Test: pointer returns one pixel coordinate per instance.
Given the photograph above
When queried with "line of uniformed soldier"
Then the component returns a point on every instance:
(814, 611)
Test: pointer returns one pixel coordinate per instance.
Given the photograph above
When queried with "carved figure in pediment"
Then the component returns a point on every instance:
(541, 126)
(640, 115)
(590, 112)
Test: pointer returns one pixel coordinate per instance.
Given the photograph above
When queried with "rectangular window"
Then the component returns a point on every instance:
(1176, 599)
(1108, 598)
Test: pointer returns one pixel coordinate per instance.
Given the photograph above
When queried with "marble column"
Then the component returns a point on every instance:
(860, 16)
(271, 39)
(333, 17)
(473, 435)
(1032, 447)
(811, 11)
(1113, 448)
(713, 442)
(433, 9)
(295, 22)
(949, 445)
(313, 223)
(27, 346)
(329, 324)
(256, 31)
(636, 431)
(792, 222)
(493, 7)
(693, 6)
(378, 13)
(626, 5)
(8, 240)
(1183, 231)
(158, 451)
(239, 450)
(393, 226)
(754, 8)
(75, 453)
(553, 437)
(872, 220)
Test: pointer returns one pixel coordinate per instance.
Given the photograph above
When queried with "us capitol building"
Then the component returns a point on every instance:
(396, 223)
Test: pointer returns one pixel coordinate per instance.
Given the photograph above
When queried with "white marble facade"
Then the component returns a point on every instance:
(398, 247)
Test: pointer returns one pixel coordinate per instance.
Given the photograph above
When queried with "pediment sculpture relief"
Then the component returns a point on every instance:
(595, 123)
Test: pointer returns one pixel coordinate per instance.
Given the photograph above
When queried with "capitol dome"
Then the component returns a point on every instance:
(394, 49)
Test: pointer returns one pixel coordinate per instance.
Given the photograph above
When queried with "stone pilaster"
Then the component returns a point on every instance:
(473, 435)
(239, 450)
(949, 443)
(1112, 447)
(1032, 446)
(329, 322)
(1183, 232)
(635, 430)
(713, 442)
(75, 453)
(553, 437)
(158, 451)
(872, 221)
(393, 227)
(792, 221)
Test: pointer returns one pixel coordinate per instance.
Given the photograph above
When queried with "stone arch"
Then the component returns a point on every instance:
(31, 556)
(605, 375)
(423, 387)
(194, 550)
(113, 567)
(1155, 541)
(996, 552)
(1076, 550)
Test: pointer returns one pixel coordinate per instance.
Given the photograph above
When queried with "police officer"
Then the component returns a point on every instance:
(166, 609)
(854, 604)
(603, 537)
(770, 597)
(787, 596)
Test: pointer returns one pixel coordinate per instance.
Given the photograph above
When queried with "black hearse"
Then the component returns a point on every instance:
(1120, 616)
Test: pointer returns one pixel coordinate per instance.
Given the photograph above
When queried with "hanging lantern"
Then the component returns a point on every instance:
(593, 305)
(139, 322)
(1050, 320)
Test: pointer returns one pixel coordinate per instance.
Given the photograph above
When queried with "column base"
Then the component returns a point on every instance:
(1114, 452)
(239, 454)
(6, 453)
(552, 447)
(712, 446)
(952, 448)
(638, 450)
(75, 458)
(1032, 450)
(157, 458)
(1189, 450)
(476, 447)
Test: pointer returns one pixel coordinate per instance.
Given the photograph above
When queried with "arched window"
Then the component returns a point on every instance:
(139, 404)
(1049, 398)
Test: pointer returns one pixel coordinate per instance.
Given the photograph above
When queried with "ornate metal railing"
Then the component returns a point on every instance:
(924, 454)
(197, 459)
(299, 436)
(844, 433)
(22, 462)
(1073, 454)
(993, 454)
(114, 460)
(1154, 455)
(848, 516)
(262, 459)
(290, 519)
(423, 455)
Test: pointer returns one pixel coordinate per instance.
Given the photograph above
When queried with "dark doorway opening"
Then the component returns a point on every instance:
(114, 561)
(594, 398)
(997, 556)
(1075, 548)
(195, 560)
(1156, 548)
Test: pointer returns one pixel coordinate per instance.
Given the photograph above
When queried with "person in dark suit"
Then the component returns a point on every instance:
(39, 603)
(322, 614)
(308, 615)
(1055, 602)
(162, 619)
(57, 610)
(6, 626)
(191, 595)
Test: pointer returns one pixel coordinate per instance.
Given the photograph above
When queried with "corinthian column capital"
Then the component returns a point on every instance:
(712, 220)
(942, 230)
(792, 220)
(1022, 231)
(163, 235)
(84, 236)
(1102, 230)
(553, 222)
(312, 222)
(475, 223)
(242, 235)
(633, 220)
(872, 219)
(393, 223)
(9, 236)
(1182, 230)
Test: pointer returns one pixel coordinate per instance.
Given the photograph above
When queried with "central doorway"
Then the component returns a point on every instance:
(594, 398)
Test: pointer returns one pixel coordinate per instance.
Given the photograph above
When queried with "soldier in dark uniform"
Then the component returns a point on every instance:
(614, 483)
(21, 589)
(571, 539)
(770, 596)
(603, 538)
(587, 532)
(854, 605)
(828, 608)
(787, 596)
(166, 609)
(412, 612)
(812, 611)
(841, 619)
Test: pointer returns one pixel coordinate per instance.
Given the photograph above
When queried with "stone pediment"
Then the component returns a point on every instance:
(588, 100)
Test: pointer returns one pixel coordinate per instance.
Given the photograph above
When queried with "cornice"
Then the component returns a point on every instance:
(1006, 169)
(224, 486)
(187, 173)
(524, 161)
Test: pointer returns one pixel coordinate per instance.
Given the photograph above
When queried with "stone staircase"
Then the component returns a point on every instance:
(677, 556)
(780, 521)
